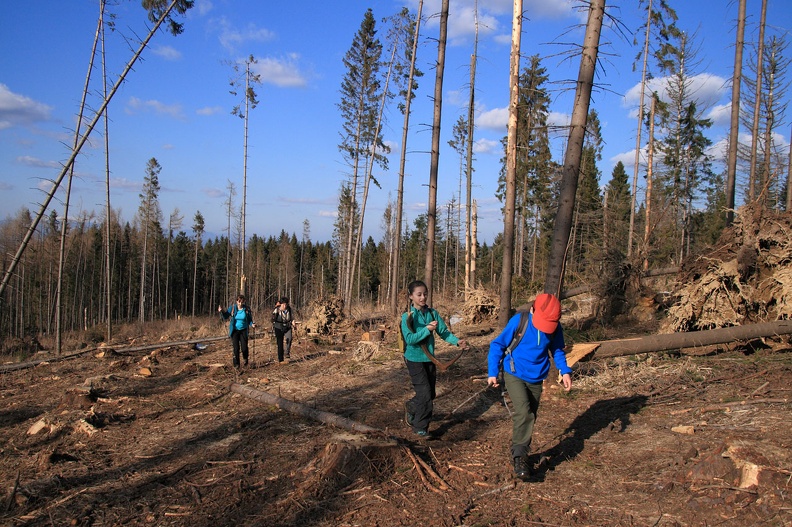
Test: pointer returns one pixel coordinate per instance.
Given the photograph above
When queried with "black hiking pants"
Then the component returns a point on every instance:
(424, 378)
(284, 340)
(239, 338)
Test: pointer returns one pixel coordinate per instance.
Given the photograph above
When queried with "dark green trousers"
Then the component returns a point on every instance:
(525, 398)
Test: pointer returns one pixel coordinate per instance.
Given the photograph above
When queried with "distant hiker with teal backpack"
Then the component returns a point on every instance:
(523, 351)
(241, 320)
(418, 327)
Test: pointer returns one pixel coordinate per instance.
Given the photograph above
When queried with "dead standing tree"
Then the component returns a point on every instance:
(569, 178)
(511, 168)
(158, 14)
(435, 158)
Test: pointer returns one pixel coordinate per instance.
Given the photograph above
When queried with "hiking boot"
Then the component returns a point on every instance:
(521, 469)
(409, 417)
(422, 433)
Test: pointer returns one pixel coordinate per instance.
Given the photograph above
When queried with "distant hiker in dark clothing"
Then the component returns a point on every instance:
(282, 323)
(419, 326)
(241, 320)
(526, 367)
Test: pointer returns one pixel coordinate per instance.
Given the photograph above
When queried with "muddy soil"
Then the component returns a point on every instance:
(156, 436)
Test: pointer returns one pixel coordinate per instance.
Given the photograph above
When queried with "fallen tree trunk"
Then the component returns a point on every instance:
(301, 409)
(672, 341)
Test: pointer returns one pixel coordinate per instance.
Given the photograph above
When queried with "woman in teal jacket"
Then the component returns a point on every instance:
(526, 367)
(419, 326)
(241, 319)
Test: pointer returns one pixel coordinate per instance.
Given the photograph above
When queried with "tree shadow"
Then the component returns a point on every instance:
(602, 414)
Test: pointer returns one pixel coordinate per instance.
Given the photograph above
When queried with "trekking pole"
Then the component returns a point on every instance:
(253, 350)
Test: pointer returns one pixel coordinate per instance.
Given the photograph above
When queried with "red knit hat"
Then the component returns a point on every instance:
(546, 313)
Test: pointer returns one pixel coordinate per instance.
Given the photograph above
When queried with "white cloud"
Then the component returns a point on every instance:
(135, 105)
(167, 52)
(18, 110)
(327, 214)
(124, 184)
(35, 162)
(210, 110)
(493, 17)
(496, 119)
(720, 114)
(558, 119)
(283, 72)
(202, 7)
(487, 146)
(230, 37)
(214, 192)
(706, 89)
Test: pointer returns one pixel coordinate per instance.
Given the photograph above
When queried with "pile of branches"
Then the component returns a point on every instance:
(326, 315)
(745, 278)
(480, 306)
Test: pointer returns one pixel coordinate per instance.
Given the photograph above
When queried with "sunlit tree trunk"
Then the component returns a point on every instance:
(639, 128)
(511, 167)
(435, 156)
(734, 129)
(757, 105)
(469, 276)
(65, 220)
(572, 159)
(648, 201)
(394, 278)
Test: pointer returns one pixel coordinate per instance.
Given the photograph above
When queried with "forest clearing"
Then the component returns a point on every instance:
(120, 404)
(157, 437)
(145, 432)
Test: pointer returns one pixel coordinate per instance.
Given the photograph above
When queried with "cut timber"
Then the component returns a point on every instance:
(672, 341)
(301, 409)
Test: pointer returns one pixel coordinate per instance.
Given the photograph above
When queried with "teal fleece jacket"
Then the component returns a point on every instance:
(531, 357)
(413, 351)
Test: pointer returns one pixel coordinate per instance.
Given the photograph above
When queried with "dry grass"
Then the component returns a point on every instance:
(622, 375)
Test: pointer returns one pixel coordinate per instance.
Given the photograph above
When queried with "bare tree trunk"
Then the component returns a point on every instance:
(65, 220)
(757, 104)
(76, 150)
(765, 174)
(648, 208)
(469, 179)
(242, 277)
(789, 178)
(402, 159)
(639, 130)
(561, 228)
(504, 313)
(473, 242)
(108, 209)
(370, 168)
(689, 339)
(303, 410)
(734, 129)
(435, 158)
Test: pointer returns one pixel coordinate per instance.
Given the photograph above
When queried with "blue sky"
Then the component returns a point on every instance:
(176, 106)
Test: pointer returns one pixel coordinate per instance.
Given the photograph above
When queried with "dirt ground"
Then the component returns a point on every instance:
(156, 436)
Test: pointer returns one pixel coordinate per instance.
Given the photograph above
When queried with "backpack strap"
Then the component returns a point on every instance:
(442, 366)
(518, 336)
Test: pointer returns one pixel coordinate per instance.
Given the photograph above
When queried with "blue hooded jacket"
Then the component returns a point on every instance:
(530, 360)
(231, 313)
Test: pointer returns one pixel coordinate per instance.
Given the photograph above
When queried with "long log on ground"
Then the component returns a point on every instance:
(57, 358)
(673, 341)
(301, 409)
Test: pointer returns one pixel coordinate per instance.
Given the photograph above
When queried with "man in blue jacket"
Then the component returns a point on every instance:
(526, 367)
